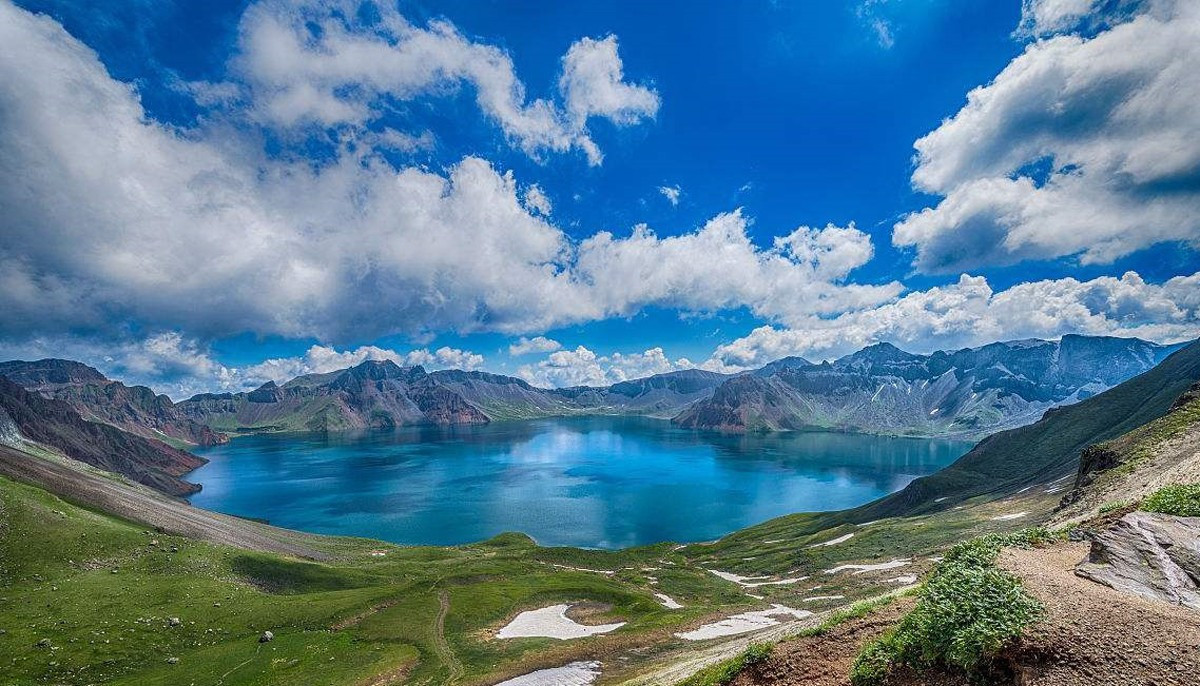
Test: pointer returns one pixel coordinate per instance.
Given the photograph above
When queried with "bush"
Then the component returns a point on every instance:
(1182, 500)
(966, 612)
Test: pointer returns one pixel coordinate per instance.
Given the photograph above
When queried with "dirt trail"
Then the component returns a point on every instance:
(1095, 635)
(441, 646)
(140, 504)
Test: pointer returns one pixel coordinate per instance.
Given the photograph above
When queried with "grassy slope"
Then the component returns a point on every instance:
(57, 583)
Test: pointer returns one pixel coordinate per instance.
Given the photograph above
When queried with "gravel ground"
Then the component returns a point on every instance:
(1094, 635)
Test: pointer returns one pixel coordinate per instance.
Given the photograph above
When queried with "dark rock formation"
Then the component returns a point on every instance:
(56, 424)
(135, 409)
(1152, 555)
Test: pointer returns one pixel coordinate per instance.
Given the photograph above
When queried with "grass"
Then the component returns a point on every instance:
(343, 621)
(966, 612)
(724, 672)
(1182, 500)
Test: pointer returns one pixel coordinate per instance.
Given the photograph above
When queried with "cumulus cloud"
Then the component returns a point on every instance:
(111, 217)
(537, 344)
(320, 359)
(970, 313)
(536, 200)
(1045, 17)
(671, 193)
(583, 367)
(1085, 146)
(330, 64)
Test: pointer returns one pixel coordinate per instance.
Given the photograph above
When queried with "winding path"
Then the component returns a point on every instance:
(441, 646)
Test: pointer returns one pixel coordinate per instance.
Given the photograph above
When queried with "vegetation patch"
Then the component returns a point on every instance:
(724, 672)
(1181, 500)
(966, 612)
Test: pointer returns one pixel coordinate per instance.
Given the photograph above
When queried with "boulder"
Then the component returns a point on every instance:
(266, 637)
(1152, 555)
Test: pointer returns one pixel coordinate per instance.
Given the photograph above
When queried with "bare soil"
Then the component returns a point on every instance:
(1094, 635)
(822, 660)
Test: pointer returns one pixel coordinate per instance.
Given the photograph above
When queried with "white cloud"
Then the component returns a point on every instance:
(537, 344)
(1112, 118)
(311, 63)
(111, 217)
(671, 193)
(536, 200)
(871, 13)
(718, 267)
(969, 313)
(583, 367)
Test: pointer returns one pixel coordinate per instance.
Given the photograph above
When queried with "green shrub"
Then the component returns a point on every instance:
(724, 672)
(966, 612)
(1113, 505)
(1182, 500)
(874, 661)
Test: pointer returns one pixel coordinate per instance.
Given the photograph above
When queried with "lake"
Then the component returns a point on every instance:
(600, 482)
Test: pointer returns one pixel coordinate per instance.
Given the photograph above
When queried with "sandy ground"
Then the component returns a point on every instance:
(552, 622)
(148, 507)
(574, 674)
(1095, 635)
(743, 623)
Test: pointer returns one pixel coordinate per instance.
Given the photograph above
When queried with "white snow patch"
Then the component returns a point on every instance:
(873, 521)
(941, 499)
(605, 572)
(862, 569)
(905, 579)
(833, 541)
(1005, 518)
(574, 674)
(743, 623)
(552, 622)
(667, 601)
(754, 581)
(823, 597)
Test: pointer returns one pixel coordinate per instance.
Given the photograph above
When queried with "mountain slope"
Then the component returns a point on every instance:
(26, 416)
(383, 394)
(1049, 448)
(882, 389)
(135, 409)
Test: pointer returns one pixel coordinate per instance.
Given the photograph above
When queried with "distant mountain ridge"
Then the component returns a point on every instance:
(966, 393)
(881, 389)
(135, 409)
(382, 394)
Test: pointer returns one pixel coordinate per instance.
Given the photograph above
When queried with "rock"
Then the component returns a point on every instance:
(1152, 555)
(44, 643)
(266, 637)
(172, 660)
(174, 621)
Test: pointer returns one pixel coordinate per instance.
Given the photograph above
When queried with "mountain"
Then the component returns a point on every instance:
(382, 394)
(1049, 448)
(881, 389)
(135, 409)
(27, 416)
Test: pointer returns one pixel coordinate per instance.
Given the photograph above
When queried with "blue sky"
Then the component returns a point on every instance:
(208, 195)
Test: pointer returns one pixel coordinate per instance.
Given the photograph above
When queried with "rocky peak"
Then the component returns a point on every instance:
(50, 373)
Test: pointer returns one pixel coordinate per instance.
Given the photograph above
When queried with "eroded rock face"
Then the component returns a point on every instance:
(1152, 555)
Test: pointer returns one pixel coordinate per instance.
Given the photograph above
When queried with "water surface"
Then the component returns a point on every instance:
(607, 482)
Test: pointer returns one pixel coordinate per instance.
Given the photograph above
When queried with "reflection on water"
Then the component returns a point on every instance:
(596, 481)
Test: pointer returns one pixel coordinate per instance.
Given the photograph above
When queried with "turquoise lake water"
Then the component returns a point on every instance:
(598, 482)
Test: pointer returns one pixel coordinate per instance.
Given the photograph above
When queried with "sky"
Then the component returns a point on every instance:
(207, 196)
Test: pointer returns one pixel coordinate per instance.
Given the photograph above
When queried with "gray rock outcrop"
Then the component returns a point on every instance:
(1155, 556)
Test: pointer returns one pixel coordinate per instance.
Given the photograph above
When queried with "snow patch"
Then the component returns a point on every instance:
(667, 601)
(743, 623)
(552, 622)
(1007, 517)
(862, 569)
(574, 674)
(834, 541)
(823, 597)
(754, 581)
